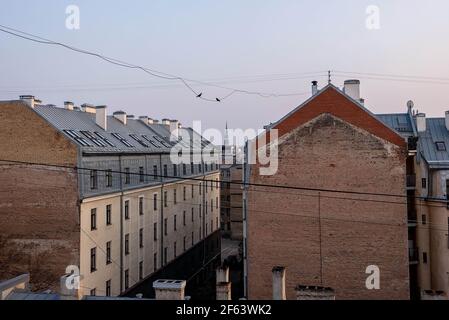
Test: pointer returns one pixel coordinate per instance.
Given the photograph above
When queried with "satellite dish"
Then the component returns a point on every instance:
(410, 104)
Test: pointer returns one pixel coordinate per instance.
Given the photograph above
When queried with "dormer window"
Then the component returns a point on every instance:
(441, 146)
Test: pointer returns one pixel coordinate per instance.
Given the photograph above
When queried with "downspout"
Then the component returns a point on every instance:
(245, 220)
(121, 223)
(162, 212)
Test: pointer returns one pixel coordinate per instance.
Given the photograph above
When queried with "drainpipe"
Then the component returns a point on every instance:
(162, 212)
(245, 221)
(121, 223)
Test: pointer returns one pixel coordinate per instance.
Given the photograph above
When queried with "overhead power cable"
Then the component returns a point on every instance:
(155, 73)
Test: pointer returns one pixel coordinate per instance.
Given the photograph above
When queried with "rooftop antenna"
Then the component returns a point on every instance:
(329, 80)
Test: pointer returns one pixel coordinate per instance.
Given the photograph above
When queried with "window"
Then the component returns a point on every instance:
(165, 255)
(165, 199)
(126, 279)
(424, 257)
(174, 249)
(205, 186)
(155, 201)
(126, 209)
(424, 219)
(174, 222)
(184, 217)
(141, 175)
(216, 202)
(93, 179)
(184, 193)
(140, 270)
(175, 170)
(200, 186)
(192, 214)
(175, 199)
(93, 219)
(108, 252)
(184, 244)
(199, 234)
(216, 224)
(199, 211)
(211, 205)
(193, 240)
(154, 261)
(151, 141)
(93, 292)
(206, 208)
(423, 183)
(108, 215)
(102, 138)
(155, 173)
(447, 193)
(199, 167)
(141, 238)
(193, 189)
(192, 169)
(206, 228)
(441, 146)
(165, 170)
(155, 231)
(141, 206)
(93, 259)
(126, 244)
(109, 178)
(108, 288)
(122, 140)
(75, 136)
(140, 141)
(205, 167)
(211, 225)
(165, 226)
(184, 169)
(127, 176)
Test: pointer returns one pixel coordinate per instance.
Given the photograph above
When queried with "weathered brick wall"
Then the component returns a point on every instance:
(334, 251)
(39, 213)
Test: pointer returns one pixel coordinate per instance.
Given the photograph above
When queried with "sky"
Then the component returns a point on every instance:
(263, 46)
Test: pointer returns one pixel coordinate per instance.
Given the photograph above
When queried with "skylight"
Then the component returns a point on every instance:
(122, 140)
(75, 136)
(136, 137)
(441, 146)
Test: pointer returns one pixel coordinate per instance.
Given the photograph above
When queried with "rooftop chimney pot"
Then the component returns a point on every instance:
(352, 89)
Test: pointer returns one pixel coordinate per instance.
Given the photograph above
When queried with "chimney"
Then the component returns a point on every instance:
(121, 116)
(352, 89)
(68, 105)
(144, 119)
(421, 122)
(446, 119)
(223, 290)
(279, 283)
(222, 274)
(166, 121)
(314, 87)
(29, 100)
(169, 289)
(314, 293)
(100, 117)
(150, 121)
(130, 116)
(174, 130)
(88, 108)
(155, 121)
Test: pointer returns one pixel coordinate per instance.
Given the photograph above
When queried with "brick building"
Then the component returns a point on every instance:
(325, 238)
(101, 193)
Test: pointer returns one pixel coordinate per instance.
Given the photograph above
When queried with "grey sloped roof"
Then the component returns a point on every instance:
(32, 296)
(63, 119)
(435, 132)
(400, 122)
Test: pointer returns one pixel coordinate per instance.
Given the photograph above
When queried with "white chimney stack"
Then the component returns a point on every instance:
(174, 130)
(223, 291)
(88, 108)
(352, 89)
(68, 105)
(100, 117)
(166, 122)
(150, 121)
(144, 119)
(279, 283)
(169, 289)
(222, 274)
(121, 116)
(314, 87)
(421, 122)
(446, 117)
(29, 100)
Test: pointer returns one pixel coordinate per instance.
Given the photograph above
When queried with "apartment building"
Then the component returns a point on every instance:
(101, 193)
(350, 214)
(428, 190)
(231, 200)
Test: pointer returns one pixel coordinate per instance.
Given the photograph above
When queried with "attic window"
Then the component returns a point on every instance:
(94, 139)
(104, 139)
(441, 146)
(122, 140)
(75, 136)
(150, 141)
(135, 137)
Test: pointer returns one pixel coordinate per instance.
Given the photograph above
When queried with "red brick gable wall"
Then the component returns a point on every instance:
(333, 102)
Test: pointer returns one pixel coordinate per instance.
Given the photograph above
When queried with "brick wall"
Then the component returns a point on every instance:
(284, 226)
(39, 213)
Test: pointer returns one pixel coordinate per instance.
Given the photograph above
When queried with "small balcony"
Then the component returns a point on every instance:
(413, 255)
(411, 182)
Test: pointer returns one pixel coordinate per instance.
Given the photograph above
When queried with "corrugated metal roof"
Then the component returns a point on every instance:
(159, 134)
(435, 132)
(32, 296)
(400, 122)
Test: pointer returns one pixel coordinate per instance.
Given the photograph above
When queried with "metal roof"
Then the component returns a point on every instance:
(436, 131)
(32, 296)
(400, 122)
(159, 134)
